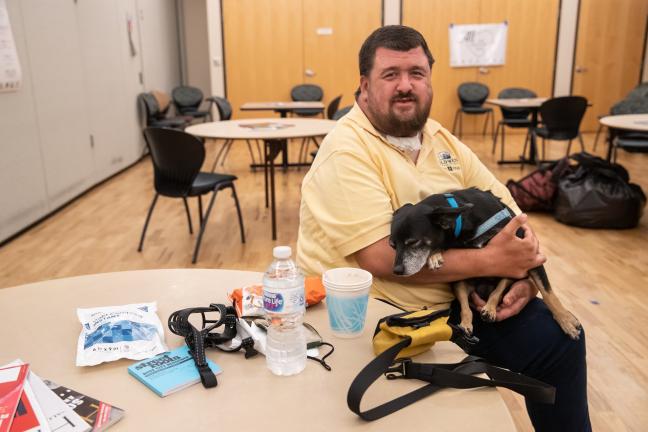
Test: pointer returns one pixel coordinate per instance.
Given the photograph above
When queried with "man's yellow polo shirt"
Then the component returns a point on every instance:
(356, 183)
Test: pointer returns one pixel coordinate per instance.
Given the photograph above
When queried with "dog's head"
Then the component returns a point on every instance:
(417, 231)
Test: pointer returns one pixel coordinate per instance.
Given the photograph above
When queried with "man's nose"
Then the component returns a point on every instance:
(404, 84)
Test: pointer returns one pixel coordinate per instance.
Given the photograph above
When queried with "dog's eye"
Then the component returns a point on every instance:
(392, 244)
(412, 242)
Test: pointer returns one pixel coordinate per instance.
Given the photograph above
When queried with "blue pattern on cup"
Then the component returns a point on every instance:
(347, 314)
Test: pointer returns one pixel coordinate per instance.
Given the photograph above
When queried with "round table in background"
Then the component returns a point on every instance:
(628, 122)
(39, 326)
(275, 133)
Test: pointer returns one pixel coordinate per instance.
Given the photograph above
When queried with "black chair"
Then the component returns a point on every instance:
(472, 96)
(187, 101)
(341, 112)
(561, 119)
(513, 117)
(636, 102)
(224, 108)
(177, 157)
(332, 107)
(307, 93)
(155, 117)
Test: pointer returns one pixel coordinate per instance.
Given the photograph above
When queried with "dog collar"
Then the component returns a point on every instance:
(491, 222)
(453, 203)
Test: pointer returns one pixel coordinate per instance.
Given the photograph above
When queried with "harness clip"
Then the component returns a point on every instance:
(398, 369)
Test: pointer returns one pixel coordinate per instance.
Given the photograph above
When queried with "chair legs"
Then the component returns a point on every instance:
(148, 218)
(580, 138)
(188, 214)
(204, 218)
(598, 133)
(499, 124)
(454, 123)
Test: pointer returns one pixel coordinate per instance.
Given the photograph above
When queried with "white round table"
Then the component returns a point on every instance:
(39, 325)
(275, 133)
(630, 122)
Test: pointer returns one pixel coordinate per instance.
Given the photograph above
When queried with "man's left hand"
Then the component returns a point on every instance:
(520, 293)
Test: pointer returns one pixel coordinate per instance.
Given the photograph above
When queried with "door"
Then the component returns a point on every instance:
(274, 45)
(334, 31)
(609, 52)
(263, 51)
(530, 50)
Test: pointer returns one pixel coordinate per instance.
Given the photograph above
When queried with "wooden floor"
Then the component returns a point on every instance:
(601, 275)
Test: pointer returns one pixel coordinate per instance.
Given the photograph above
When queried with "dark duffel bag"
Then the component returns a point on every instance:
(535, 191)
(597, 194)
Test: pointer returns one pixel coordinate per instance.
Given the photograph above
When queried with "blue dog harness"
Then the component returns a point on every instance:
(481, 229)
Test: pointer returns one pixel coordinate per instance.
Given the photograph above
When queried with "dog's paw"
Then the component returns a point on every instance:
(569, 324)
(488, 315)
(435, 261)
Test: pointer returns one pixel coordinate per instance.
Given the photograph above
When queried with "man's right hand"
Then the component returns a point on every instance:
(511, 256)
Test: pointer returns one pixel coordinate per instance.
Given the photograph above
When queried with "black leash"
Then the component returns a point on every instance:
(198, 340)
(438, 375)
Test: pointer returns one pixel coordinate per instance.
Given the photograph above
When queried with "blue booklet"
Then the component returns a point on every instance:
(169, 372)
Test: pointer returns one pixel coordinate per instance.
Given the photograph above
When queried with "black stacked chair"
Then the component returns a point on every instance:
(155, 117)
(636, 102)
(187, 101)
(513, 117)
(341, 112)
(472, 96)
(224, 108)
(177, 157)
(633, 142)
(561, 119)
(307, 93)
(332, 107)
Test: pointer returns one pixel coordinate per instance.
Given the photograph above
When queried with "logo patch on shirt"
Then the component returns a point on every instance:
(449, 162)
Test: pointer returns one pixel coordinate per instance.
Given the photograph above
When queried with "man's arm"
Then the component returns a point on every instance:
(506, 255)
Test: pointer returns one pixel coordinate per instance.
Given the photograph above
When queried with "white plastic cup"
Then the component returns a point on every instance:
(347, 295)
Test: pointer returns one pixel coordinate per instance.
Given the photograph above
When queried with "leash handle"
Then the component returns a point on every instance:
(438, 376)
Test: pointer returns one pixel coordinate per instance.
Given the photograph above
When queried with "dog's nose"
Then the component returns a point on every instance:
(399, 269)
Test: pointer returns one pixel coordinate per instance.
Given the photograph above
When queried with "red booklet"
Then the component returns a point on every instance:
(12, 380)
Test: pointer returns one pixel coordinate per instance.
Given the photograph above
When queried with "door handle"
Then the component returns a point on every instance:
(484, 70)
(580, 69)
(309, 72)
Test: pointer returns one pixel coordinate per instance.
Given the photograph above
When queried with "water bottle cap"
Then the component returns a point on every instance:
(282, 252)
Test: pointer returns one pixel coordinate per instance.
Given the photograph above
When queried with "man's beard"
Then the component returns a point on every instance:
(390, 124)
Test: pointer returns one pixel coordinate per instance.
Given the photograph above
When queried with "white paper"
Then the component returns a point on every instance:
(478, 44)
(10, 73)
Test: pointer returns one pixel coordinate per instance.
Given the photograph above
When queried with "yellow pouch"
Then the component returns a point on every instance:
(423, 328)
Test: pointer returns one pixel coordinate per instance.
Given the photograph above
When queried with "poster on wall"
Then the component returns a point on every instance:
(10, 73)
(477, 44)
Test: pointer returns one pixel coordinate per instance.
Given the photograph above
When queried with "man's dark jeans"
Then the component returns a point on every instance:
(533, 344)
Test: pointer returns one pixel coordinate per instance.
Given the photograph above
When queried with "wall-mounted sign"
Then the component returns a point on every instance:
(477, 44)
(10, 73)
(324, 31)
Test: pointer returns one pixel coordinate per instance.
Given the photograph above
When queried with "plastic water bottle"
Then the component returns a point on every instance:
(284, 304)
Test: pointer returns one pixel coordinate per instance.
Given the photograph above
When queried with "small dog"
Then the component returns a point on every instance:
(466, 218)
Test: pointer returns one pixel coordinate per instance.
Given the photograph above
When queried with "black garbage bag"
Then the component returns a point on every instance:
(595, 193)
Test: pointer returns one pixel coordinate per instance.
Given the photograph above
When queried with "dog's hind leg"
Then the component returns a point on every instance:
(489, 311)
(462, 289)
(565, 319)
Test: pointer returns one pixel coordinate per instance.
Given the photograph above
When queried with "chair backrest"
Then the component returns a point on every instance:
(515, 93)
(177, 157)
(224, 107)
(186, 98)
(562, 116)
(307, 92)
(341, 112)
(639, 92)
(333, 107)
(150, 105)
(472, 94)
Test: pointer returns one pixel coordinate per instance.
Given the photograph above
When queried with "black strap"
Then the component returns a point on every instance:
(454, 375)
(198, 340)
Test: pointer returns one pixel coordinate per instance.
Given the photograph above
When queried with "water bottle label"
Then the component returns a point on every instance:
(287, 301)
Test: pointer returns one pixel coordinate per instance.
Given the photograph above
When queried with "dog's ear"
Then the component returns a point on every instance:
(403, 207)
(446, 216)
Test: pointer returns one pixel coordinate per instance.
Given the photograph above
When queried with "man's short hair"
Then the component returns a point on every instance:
(393, 37)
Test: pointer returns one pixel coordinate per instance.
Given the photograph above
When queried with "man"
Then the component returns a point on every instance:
(386, 152)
